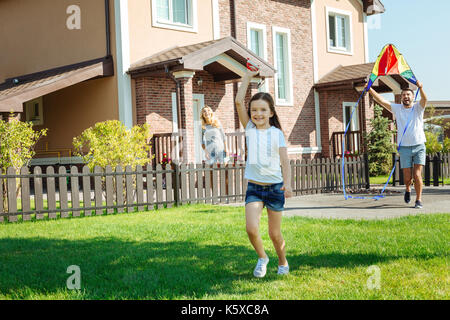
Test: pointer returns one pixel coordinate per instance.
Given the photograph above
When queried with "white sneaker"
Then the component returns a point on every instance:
(283, 269)
(261, 267)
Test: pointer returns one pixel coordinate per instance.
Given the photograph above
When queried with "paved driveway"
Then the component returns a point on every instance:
(435, 200)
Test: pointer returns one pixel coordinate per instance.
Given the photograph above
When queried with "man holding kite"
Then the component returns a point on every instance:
(409, 116)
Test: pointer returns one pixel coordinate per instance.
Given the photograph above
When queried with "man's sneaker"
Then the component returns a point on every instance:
(283, 269)
(407, 197)
(261, 267)
(418, 205)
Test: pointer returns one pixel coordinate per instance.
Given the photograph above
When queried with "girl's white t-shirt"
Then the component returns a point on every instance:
(414, 135)
(263, 156)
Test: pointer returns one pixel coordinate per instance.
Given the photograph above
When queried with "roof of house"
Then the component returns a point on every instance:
(203, 56)
(15, 91)
(358, 74)
(371, 7)
(346, 73)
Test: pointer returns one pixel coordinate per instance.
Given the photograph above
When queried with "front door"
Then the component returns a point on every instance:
(352, 138)
(199, 102)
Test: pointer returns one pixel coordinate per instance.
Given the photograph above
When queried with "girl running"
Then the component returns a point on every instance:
(268, 183)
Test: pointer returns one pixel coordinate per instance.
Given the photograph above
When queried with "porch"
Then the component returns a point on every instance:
(338, 92)
(173, 86)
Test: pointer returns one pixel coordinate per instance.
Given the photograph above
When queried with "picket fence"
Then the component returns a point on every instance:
(435, 171)
(71, 193)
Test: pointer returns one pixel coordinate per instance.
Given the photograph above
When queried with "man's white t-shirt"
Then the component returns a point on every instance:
(263, 155)
(414, 135)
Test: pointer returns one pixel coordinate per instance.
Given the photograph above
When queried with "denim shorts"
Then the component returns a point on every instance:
(270, 195)
(410, 155)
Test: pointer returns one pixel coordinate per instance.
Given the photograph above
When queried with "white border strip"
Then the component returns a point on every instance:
(216, 19)
(123, 62)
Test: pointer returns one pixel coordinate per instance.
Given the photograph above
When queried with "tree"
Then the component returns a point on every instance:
(111, 143)
(17, 141)
(379, 144)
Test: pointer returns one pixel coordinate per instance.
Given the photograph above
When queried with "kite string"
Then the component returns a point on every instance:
(400, 142)
(343, 150)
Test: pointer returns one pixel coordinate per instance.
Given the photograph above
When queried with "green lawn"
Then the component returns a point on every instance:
(383, 179)
(202, 252)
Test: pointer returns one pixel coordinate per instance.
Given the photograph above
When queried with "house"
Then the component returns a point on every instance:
(160, 61)
(442, 113)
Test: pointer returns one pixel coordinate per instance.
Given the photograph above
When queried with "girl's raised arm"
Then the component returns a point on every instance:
(240, 96)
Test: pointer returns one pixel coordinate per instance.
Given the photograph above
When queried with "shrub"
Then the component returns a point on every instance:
(379, 144)
(17, 141)
(111, 143)
(432, 144)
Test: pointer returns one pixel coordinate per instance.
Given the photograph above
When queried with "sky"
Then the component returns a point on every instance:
(421, 32)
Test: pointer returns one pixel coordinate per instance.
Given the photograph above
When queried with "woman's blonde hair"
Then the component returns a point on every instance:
(208, 118)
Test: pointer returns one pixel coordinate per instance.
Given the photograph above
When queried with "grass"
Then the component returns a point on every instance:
(202, 252)
(383, 179)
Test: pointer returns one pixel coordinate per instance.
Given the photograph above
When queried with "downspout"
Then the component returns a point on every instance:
(233, 28)
(178, 97)
(108, 31)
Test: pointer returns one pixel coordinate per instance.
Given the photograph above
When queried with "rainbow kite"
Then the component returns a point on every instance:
(389, 62)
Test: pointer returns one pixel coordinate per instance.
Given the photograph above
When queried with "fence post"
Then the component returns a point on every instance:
(366, 170)
(394, 174)
(436, 170)
(427, 171)
(177, 185)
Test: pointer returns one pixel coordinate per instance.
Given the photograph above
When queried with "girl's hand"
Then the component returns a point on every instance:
(287, 191)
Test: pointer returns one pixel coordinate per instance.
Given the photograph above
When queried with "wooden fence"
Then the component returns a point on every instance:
(435, 171)
(107, 191)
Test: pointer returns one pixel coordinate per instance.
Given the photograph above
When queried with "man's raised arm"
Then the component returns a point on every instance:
(423, 96)
(380, 100)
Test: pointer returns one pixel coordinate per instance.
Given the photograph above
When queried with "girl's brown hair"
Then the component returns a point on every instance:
(273, 121)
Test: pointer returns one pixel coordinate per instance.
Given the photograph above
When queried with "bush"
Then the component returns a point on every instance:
(17, 141)
(446, 147)
(111, 143)
(432, 144)
(379, 144)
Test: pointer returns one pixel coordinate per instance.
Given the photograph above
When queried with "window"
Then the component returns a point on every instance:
(175, 14)
(257, 42)
(339, 31)
(34, 111)
(283, 64)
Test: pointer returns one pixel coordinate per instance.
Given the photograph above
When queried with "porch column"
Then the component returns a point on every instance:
(187, 114)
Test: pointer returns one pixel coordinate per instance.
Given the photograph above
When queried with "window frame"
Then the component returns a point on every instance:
(29, 106)
(169, 24)
(263, 44)
(348, 49)
(289, 86)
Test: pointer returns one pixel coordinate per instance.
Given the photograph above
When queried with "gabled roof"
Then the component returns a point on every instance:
(198, 56)
(15, 91)
(357, 75)
(372, 7)
(357, 72)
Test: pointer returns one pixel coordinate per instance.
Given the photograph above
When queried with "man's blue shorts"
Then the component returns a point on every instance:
(270, 195)
(410, 155)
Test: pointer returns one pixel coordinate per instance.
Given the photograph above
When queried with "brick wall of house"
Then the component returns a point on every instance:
(154, 103)
(298, 122)
(332, 115)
